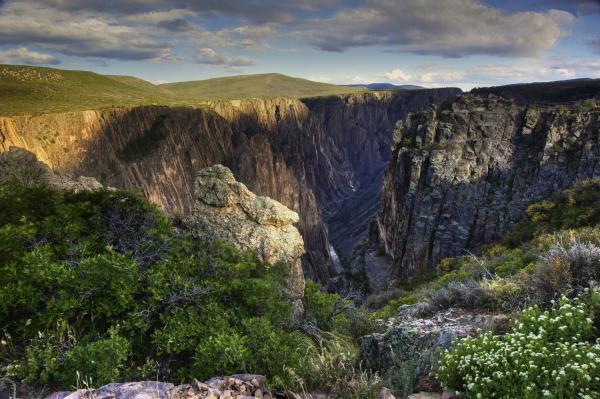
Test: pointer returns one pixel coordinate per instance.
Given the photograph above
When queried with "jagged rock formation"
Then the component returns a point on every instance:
(463, 173)
(226, 210)
(320, 157)
(23, 166)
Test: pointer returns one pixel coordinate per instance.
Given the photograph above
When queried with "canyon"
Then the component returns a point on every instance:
(323, 157)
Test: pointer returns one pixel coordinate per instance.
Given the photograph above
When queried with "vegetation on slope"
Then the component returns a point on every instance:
(543, 272)
(548, 354)
(248, 86)
(99, 287)
(555, 250)
(28, 90)
(36, 90)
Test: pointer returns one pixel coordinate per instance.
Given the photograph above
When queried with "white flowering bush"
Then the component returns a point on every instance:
(548, 354)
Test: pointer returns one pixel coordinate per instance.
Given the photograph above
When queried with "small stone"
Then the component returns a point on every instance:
(450, 395)
(199, 386)
(385, 393)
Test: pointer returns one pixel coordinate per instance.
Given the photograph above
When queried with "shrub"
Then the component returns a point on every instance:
(330, 312)
(336, 366)
(98, 286)
(547, 354)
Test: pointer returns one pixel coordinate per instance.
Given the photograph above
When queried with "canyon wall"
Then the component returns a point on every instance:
(320, 157)
(463, 173)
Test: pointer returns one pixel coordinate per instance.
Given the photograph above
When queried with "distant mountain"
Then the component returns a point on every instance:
(385, 86)
(248, 86)
(546, 92)
(37, 90)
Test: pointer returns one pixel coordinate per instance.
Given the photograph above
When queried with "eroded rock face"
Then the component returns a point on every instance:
(23, 166)
(462, 174)
(225, 210)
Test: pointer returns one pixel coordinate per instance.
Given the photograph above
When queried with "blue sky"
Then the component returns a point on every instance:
(432, 43)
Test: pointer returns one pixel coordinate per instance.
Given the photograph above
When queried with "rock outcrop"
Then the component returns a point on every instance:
(323, 158)
(242, 386)
(412, 344)
(462, 174)
(225, 210)
(23, 166)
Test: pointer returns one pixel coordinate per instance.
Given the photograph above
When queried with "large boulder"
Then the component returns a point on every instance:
(225, 210)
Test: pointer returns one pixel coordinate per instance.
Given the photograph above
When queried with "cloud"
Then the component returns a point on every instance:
(22, 55)
(246, 37)
(427, 75)
(546, 69)
(450, 28)
(136, 30)
(594, 43)
(211, 57)
(580, 6)
(397, 75)
(79, 34)
(255, 11)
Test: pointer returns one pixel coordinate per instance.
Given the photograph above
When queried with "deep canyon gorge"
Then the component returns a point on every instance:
(322, 157)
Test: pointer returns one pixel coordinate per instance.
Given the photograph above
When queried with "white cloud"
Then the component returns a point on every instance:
(397, 75)
(211, 57)
(451, 28)
(546, 69)
(22, 55)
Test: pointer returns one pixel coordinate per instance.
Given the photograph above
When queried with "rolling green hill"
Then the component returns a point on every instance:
(248, 86)
(36, 90)
(27, 90)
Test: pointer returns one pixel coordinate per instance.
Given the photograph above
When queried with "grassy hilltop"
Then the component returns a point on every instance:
(36, 90)
(248, 86)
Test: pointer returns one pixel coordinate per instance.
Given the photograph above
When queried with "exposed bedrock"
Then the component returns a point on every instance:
(323, 158)
(462, 174)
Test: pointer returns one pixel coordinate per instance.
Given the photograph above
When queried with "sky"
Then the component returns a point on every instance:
(431, 43)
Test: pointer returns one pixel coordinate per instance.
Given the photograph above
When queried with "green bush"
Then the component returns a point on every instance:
(97, 286)
(335, 365)
(548, 354)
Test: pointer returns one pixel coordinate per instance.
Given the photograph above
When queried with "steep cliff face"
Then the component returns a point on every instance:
(316, 157)
(461, 174)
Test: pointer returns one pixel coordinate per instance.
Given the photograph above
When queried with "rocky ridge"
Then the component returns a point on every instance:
(316, 156)
(463, 173)
(227, 211)
(23, 166)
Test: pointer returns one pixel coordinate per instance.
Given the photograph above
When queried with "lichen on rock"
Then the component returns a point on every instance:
(225, 210)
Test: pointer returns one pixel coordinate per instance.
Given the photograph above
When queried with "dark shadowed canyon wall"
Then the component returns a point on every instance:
(462, 174)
